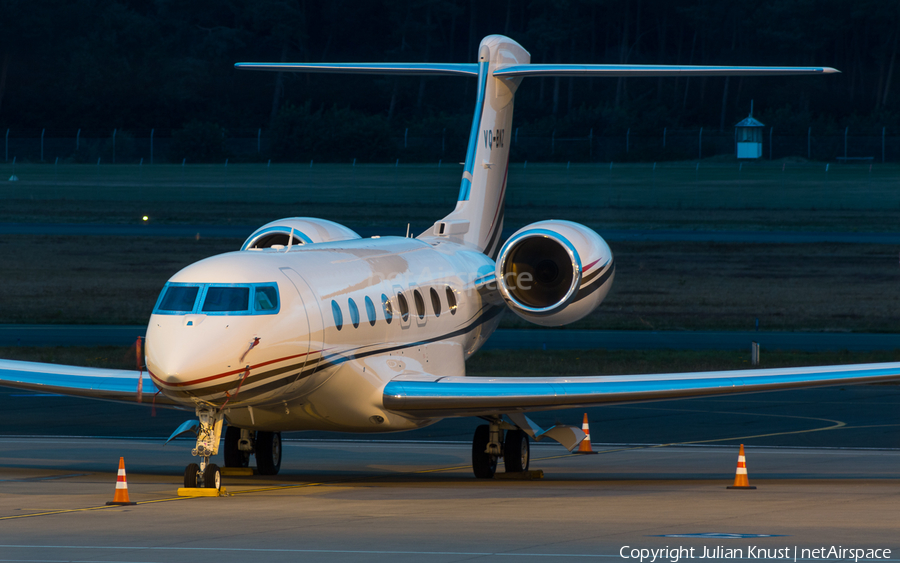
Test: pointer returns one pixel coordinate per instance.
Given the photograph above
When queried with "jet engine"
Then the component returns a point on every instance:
(554, 273)
(294, 231)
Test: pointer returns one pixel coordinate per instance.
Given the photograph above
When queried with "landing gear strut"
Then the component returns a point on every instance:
(238, 447)
(489, 445)
(209, 432)
(485, 451)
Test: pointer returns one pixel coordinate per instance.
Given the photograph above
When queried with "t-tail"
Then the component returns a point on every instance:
(477, 220)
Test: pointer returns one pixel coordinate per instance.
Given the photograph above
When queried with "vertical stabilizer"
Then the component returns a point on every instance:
(478, 218)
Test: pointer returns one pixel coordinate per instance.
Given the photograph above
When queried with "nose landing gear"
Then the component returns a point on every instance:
(209, 431)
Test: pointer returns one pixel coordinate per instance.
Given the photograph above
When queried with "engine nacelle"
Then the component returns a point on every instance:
(303, 230)
(554, 273)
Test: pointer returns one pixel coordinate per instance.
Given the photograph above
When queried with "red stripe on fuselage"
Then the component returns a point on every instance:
(233, 372)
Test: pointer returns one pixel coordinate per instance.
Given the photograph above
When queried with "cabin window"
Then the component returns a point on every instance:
(178, 299)
(338, 316)
(451, 301)
(388, 310)
(226, 300)
(420, 303)
(404, 307)
(436, 302)
(354, 313)
(370, 311)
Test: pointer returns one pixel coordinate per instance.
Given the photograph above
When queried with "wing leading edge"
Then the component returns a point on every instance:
(481, 396)
(93, 383)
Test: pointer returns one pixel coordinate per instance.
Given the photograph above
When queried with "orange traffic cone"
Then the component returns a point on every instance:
(121, 496)
(740, 476)
(585, 447)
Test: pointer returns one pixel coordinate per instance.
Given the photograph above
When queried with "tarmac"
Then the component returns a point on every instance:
(407, 501)
(826, 463)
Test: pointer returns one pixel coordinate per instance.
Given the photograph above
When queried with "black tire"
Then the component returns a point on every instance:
(212, 477)
(516, 451)
(484, 465)
(268, 452)
(191, 476)
(233, 456)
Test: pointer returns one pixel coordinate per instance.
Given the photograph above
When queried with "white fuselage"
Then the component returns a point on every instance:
(352, 315)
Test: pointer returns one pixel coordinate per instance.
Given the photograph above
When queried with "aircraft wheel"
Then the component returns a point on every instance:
(234, 457)
(212, 477)
(484, 465)
(516, 451)
(191, 476)
(268, 452)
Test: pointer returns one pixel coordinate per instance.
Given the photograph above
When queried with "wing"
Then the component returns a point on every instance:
(94, 383)
(426, 396)
(654, 70)
(471, 69)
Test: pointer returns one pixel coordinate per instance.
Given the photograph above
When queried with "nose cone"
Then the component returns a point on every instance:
(199, 357)
(195, 355)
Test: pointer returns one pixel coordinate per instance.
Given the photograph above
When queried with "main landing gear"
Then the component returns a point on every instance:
(489, 445)
(241, 443)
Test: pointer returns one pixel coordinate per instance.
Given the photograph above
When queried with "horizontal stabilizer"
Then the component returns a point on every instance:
(413, 69)
(612, 71)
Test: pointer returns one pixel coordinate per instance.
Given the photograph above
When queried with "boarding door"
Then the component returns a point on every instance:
(312, 343)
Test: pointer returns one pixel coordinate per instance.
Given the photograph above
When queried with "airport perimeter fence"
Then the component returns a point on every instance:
(157, 147)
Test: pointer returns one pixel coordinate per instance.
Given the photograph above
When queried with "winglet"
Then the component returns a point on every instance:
(568, 437)
(189, 426)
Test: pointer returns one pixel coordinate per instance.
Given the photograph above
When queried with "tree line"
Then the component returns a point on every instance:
(134, 64)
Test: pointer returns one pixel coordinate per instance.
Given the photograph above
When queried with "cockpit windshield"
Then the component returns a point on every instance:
(218, 299)
(226, 300)
(178, 299)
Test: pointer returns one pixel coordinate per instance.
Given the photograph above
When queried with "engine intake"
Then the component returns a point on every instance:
(554, 272)
(540, 270)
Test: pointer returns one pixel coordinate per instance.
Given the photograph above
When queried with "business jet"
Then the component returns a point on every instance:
(311, 327)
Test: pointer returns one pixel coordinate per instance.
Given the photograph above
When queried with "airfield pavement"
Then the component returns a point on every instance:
(661, 472)
(407, 501)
